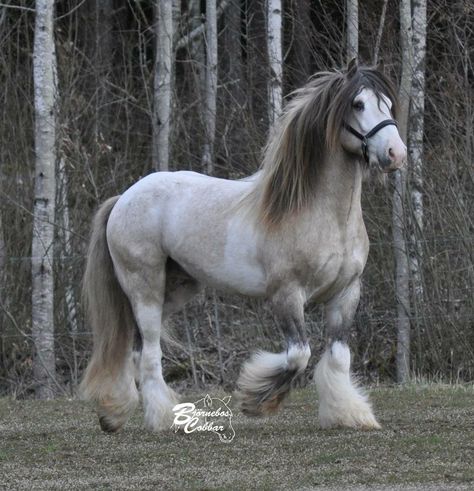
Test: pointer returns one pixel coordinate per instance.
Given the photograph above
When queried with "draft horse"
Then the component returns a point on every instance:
(292, 233)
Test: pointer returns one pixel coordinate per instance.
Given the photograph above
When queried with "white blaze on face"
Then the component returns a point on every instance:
(386, 146)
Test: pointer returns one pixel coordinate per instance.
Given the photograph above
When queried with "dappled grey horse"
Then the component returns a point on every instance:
(292, 233)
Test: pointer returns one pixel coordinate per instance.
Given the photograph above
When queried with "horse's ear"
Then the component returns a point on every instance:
(208, 401)
(226, 399)
(380, 66)
(352, 67)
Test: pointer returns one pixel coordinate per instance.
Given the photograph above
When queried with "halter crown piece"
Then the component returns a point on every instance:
(365, 138)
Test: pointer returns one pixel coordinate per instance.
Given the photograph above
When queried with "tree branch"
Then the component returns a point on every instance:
(185, 40)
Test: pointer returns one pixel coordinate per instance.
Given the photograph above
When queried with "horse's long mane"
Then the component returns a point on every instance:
(306, 132)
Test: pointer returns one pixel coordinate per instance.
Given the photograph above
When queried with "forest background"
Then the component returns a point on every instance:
(96, 94)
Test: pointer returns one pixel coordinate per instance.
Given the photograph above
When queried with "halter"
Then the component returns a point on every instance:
(365, 138)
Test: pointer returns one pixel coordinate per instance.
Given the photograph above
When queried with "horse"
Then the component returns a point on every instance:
(291, 234)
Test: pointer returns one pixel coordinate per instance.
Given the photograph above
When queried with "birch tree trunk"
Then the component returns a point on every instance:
(274, 46)
(352, 28)
(399, 218)
(45, 96)
(162, 84)
(415, 142)
(210, 93)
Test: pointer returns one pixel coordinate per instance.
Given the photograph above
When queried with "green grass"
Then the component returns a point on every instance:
(427, 438)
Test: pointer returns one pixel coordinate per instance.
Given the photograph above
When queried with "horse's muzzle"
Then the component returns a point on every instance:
(392, 161)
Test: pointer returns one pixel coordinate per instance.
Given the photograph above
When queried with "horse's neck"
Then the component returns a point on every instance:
(339, 186)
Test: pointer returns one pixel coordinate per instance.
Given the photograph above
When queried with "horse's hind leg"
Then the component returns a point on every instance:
(146, 290)
(179, 290)
(341, 402)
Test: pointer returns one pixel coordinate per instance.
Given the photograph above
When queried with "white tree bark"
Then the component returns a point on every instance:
(162, 84)
(415, 141)
(274, 45)
(45, 96)
(210, 94)
(399, 216)
(352, 28)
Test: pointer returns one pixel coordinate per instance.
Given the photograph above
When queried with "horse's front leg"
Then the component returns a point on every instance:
(266, 378)
(341, 402)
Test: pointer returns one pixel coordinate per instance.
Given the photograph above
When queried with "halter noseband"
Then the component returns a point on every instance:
(365, 138)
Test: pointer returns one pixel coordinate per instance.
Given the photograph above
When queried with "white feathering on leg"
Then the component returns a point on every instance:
(262, 366)
(342, 403)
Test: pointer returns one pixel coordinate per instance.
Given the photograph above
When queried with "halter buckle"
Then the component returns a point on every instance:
(365, 149)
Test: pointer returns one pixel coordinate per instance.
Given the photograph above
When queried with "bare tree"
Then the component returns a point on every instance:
(210, 94)
(65, 247)
(274, 46)
(45, 86)
(399, 217)
(415, 141)
(352, 29)
(299, 53)
(103, 66)
(233, 63)
(378, 39)
(3, 250)
(162, 84)
(3, 253)
(195, 39)
(197, 26)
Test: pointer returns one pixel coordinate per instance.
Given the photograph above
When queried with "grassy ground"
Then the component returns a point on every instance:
(427, 442)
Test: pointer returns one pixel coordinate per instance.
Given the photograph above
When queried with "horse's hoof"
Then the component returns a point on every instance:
(107, 426)
(251, 405)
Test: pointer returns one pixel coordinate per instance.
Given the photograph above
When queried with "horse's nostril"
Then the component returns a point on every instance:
(391, 153)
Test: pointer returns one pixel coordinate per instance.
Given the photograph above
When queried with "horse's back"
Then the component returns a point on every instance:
(193, 219)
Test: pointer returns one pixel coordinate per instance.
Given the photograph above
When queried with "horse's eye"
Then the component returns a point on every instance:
(358, 106)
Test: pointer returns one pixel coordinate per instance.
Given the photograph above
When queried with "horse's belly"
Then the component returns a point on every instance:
(231, 274)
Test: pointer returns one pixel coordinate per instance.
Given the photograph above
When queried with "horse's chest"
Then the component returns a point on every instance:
(328, 271)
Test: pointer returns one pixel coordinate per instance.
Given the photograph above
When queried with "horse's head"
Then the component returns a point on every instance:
(335, 113)
(369, 127)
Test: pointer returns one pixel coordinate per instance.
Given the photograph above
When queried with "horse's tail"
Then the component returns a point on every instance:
(266, 378)
(108, 380)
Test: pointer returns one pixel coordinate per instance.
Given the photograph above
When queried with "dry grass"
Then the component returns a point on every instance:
(427, 442)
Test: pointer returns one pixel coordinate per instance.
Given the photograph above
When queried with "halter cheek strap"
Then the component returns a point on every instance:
(365, 138)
